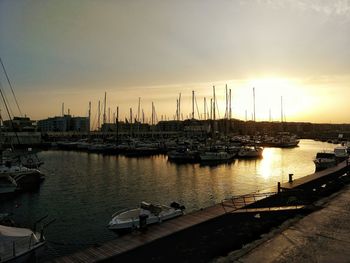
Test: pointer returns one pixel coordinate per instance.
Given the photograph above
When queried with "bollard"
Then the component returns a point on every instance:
(278, 187)
(290, 178)
(143, 221)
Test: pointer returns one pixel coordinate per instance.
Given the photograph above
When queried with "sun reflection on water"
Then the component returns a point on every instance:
(266, 165)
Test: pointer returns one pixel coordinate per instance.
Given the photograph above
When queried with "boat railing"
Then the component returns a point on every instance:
(238, 202)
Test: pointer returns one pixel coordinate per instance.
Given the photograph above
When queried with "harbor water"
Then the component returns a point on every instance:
(81, 190)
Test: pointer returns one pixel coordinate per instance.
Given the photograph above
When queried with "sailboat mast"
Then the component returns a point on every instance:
(254, 105)
(104, 109)
(230, 113)
(89, 114)
(130, 115)
(9, 82)
(99, 115)
(117, 121)
(138, 110)
(192, 104)
(205, 108)
(281, 109)
(226, 97)
(152, 117)
(179, 105)
(214, 99)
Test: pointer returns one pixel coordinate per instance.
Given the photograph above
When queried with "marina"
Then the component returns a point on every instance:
(65, 198)
(119, 249)
(174, 131)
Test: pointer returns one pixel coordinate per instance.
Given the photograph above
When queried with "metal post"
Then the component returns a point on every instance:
(290, 178)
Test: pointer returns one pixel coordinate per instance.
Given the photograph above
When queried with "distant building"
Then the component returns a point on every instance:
(64, 124)
(125, 127)
(80, 124)
(170, 126)
(19, 124)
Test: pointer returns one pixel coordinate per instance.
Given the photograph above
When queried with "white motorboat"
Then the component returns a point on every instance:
(19, 244)
(325, 160)
(216, 156)
(250, 152)
(24, 177)
(152, 213)
(7, 184)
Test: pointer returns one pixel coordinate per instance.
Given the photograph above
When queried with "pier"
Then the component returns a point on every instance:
(235, 218)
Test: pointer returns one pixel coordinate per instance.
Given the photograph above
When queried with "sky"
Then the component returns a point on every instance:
(59, 51)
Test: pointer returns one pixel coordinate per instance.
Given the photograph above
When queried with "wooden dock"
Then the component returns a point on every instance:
(155, 232)
(139, 238)
(328, 173)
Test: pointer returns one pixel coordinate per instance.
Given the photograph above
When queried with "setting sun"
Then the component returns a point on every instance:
(269, 92)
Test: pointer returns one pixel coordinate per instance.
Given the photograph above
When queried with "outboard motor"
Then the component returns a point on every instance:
(143, 221)
(8, 164)
(176, 205)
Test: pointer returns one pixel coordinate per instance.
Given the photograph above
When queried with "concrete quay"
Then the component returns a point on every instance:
(322, 236)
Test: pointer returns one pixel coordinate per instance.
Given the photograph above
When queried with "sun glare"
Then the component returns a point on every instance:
(270, 94)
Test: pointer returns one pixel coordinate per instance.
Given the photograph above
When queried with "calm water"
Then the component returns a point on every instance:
(82, 190)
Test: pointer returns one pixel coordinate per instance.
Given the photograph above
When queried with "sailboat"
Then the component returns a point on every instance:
(25, 177)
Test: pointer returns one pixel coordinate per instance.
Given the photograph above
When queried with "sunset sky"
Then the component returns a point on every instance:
(74, 51)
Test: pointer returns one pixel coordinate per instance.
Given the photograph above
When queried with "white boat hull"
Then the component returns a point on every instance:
(130, 219)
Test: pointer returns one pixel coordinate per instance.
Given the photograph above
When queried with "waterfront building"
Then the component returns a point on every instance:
(126, 127)
(19, 124)
(64, 124)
